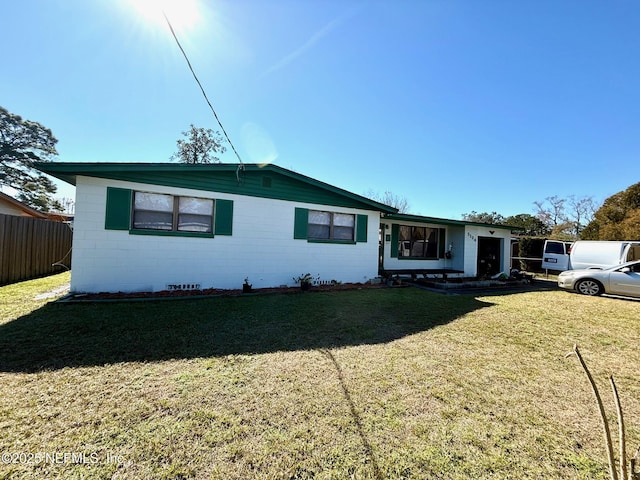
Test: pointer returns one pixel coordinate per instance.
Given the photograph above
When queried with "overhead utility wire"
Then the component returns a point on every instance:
(201, 87)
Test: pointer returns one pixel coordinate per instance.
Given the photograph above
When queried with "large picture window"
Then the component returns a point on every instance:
(331, 226)
(156, 211)
(417, 242)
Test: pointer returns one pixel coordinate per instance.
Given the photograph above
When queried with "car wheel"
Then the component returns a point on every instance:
(589, 287)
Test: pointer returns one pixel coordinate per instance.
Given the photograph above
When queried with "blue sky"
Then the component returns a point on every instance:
(455, 105)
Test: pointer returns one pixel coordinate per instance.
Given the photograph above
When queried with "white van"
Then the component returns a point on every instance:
(588, 254)
(555, 255)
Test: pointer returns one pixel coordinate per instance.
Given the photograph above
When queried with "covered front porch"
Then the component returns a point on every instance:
(428, 246)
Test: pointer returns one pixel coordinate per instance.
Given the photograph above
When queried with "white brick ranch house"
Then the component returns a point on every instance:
(159, 226)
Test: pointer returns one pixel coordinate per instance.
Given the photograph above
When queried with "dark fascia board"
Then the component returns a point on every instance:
(68, 171)
(445, 221)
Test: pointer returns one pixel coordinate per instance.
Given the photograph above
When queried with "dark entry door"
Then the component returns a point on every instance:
(489, 256)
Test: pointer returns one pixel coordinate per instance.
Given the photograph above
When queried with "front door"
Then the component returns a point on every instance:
(489, 256)
(626, 282)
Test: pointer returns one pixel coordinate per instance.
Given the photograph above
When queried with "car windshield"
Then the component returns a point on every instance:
(632, 265)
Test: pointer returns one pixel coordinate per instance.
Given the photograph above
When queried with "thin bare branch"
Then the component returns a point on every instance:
(605, 425)
(623, 450)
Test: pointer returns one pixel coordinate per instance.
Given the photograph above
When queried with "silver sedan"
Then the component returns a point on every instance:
(619, 280)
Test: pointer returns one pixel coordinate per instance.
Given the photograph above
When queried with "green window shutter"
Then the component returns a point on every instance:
(441, 243)
(118, 211)
(395, 230)
(301, 224)
(224, 217)
(362, 222)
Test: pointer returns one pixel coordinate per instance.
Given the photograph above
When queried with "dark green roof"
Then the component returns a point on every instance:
(444, 221)
(266, 181)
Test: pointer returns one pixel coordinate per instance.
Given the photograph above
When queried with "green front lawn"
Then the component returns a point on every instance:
(365, 384)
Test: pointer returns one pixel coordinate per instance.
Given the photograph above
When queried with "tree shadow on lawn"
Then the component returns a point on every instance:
(76, 335)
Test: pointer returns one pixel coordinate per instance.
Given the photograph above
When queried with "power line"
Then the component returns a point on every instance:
(175, 37)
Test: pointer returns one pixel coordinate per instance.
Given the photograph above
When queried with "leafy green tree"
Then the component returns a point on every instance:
(532, 225)
(22, 144)
(564, 231)
(618, 218)
(531, 247)
(35, 196)
(484, 217)
(631, 225)
(201, 145)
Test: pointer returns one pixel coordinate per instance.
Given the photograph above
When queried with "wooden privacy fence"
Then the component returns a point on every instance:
(29, 248)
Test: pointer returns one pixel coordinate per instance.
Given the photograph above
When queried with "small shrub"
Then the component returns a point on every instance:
(531, 247)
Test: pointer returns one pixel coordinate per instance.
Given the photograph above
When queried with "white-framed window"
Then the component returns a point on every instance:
(331, 226)
(158, 211)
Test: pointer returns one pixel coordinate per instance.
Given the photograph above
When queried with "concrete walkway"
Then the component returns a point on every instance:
(56, 292)
(537, 286)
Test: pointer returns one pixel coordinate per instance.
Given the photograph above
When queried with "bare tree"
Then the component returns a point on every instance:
(581, 211)
(566, 217)
(389, 198)
(68, 205)
(551, 211)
